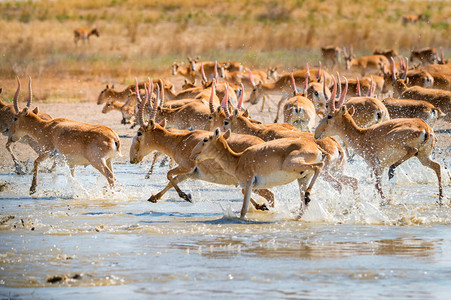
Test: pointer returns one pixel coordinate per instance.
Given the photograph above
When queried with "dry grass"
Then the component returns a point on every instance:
(144, 37)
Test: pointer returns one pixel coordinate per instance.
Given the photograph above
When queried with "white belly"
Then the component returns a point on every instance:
(275, 179)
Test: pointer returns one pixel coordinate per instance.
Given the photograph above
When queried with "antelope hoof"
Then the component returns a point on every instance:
(19, 170)
(187, 197)
(32, 190)
(148, 175)
(307, 198)
(262, 207)
(152, 199)
(391, 172)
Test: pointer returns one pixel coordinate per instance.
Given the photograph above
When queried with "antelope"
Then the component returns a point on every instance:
(265, 165)
(358, 87)
(367, 111)
(109, 93)
(178, 144)
(271, 74)
(84, 34)
(378, 83)
(128, 111)
(185, 71)
(298, 110)
(387, 144)
(408, 108)
(80, 143)
(331, 55)
(7, 114)
(412, 19)
(248, 78)
(212, 68)
(425, 55)
(439, 98)
(364, 63)
(388, 53)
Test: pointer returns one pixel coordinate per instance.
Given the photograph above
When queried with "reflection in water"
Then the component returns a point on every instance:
(344, 244)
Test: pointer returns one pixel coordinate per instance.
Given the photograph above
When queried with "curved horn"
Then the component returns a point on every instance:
(153, 113)
(204, 78)
(30, 93)
(358, 88)
(392, 68)
(370, 91)
(142, 105)
(324, 87)
(251, 78)
(225, 101)
(138, 97)
(442, 57)
(318, 76)
(406, 67)
(342, 97)
(332, 96)
(162, 93)
(293, 83)
(339, 84)
(307, 74)
(16, 97)
(216, 70)
(307, 70)
(213, 92)
(240, 101)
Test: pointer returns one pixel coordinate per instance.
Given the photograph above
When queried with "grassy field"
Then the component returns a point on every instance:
(140, 38)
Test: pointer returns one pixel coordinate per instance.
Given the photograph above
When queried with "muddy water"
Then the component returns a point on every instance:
(73, 239)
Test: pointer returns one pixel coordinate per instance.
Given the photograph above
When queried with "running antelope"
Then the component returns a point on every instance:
(387, 144)
(248, 78)
(408, 108)
(426, 55)
(127, 111)
(178, 144)
(364, 64)
(7, 114)
(84, 34)
(331, 55)
(80, 143)
(388, 53)
(265, 165)
(412, 19)
(185, 71)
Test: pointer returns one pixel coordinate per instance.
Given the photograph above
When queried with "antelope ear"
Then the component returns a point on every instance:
(24, 111)
(36, 110)
(112, 86)
(107, 87)
(186, 81)
(343, 109)
(151, 124)
(218, 109)
(1, 89)
(351, 111)
(163, 123)
(216, 133)
(407, 81)
(246, 113)
(227, 134)
(236, 112)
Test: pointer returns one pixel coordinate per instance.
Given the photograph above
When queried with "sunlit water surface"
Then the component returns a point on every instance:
(72, 239)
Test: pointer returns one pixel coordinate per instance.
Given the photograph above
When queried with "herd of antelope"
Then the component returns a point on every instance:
(208, 133)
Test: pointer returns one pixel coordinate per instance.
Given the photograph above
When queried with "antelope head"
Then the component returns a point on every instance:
(20, 119)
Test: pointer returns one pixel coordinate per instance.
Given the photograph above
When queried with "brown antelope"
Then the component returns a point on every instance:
(367, 111)
(387, 144)
(331, 55)
(426, 55)
(238, 123)
(7, 114)
(388, 53)
(365, 63)
(185, 71)
(439, 98)
(248, 78)
(212, 69)
(128, 111)
(412, 19)
(378, 83)
(408, 108)
(265, 165)
(109, 93)
(80, 143)
(84, 34)
(298, 110)
(178, 144)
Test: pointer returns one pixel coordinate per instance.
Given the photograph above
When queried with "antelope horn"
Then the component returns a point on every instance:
(307, 70)
(251, 78)
(318, 76)
(351, 50)
(142, 105)
(153, 113)
(204, 78)
(293, 83)
(240, 101)
(216, 70)
(162, 93)
(442, 57)
(213, 92)
(138, 97)
(345, 53)
(339, 84)
(332, 96)
(393, 68)
(225, 101)
(370, 91)
(16, 97)
(404, 75)
(358, 88)
(324, 87)
(307, 75)
(30, 93)
(342, 97)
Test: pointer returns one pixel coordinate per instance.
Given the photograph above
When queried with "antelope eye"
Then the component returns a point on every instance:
(254, 90)
(15, 118)
(140, 133)
(329, 117)
(210, 117)
(316, 94)
(226, 122)
(205, 140)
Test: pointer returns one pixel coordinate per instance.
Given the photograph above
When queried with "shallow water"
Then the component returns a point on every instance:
(99, 244)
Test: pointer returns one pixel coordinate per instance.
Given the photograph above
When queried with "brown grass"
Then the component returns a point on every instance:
(144, 37)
